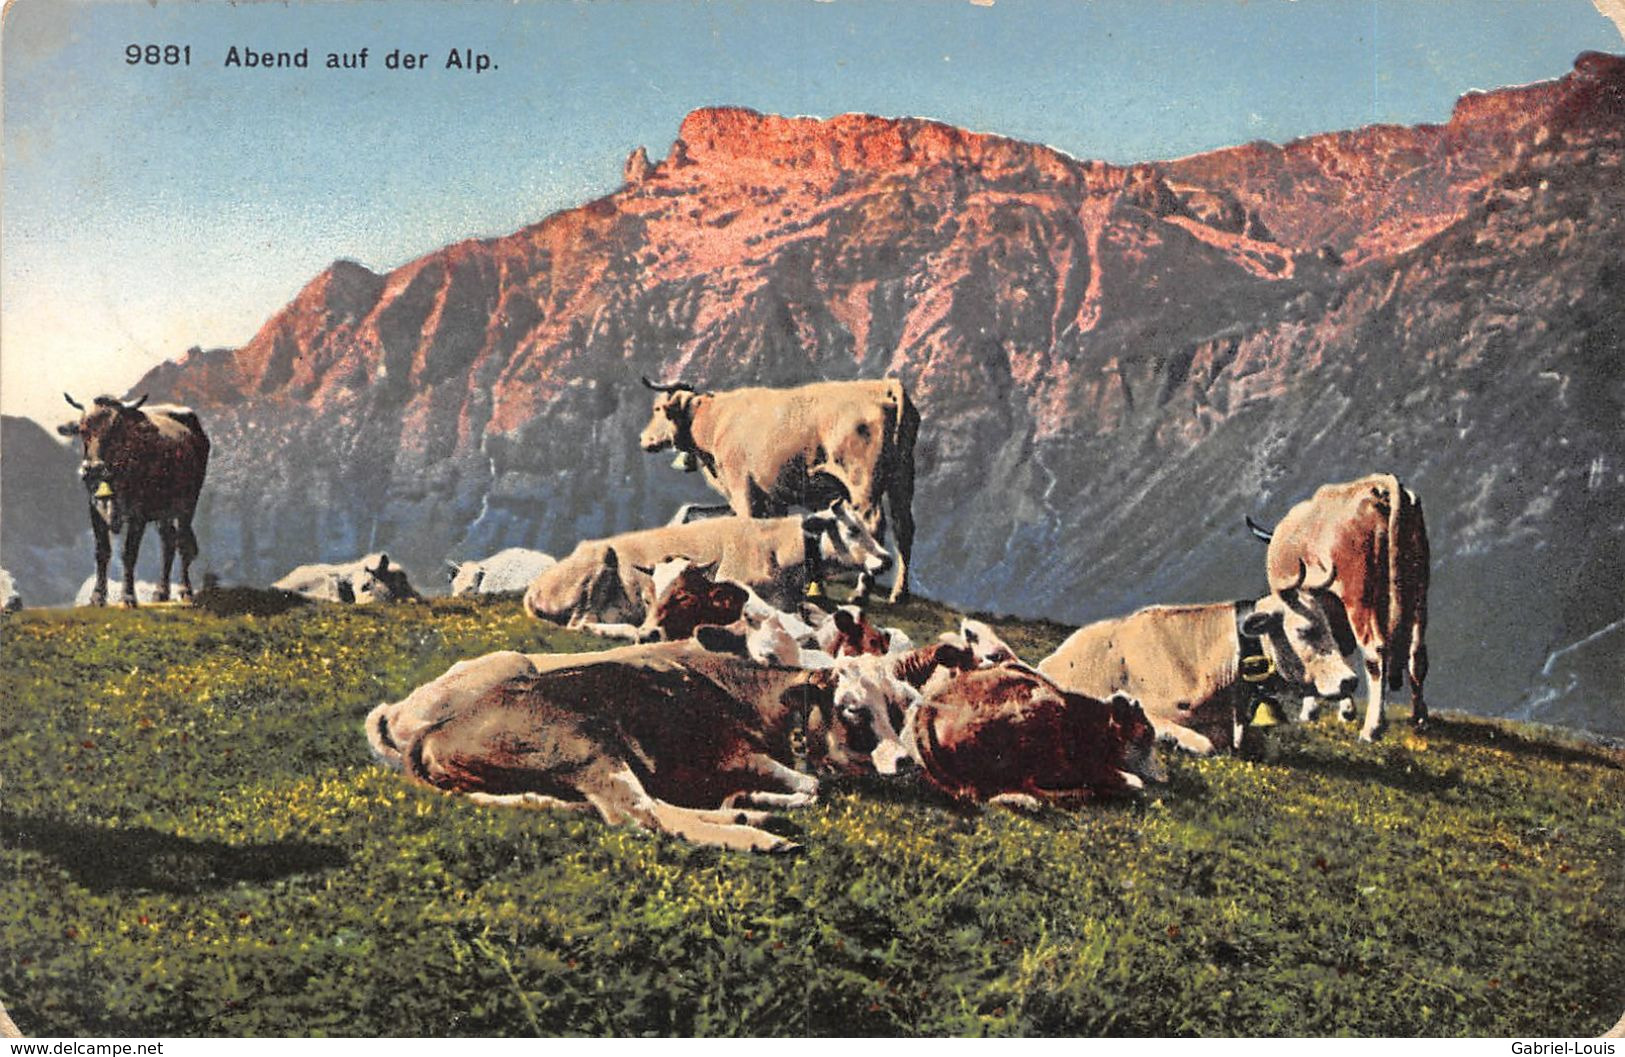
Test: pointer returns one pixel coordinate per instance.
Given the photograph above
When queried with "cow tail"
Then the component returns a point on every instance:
(1395, 634)
(905, 427)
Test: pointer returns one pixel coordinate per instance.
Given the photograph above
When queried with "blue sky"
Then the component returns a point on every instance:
(148, 209)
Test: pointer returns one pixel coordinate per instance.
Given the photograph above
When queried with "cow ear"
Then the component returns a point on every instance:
(383, 563)
(1260, 624)
(823, 678)
(611, 560)
(1123, 707)
(719, 639)
(816, 524)
(709, 569)
(845, 620)
(68, 429)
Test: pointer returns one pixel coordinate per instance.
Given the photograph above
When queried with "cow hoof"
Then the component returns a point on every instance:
(1419, 723)
(1347, 711)
(130, 602)
(160, 596)
(98, 600)
(784, 847)
(1371, 734)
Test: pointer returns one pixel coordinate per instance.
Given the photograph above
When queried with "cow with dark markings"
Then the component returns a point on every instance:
(1372, 531)
(141, 465)
(1005, 734)
(767, 451)
(671, 737)
(1200, 671)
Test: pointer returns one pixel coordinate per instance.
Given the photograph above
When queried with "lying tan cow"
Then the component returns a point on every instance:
(767, 451)
(668, 736)
(1373, 532)
(1006, 734)
(601, 585)
(366, 580)
(1200, 670)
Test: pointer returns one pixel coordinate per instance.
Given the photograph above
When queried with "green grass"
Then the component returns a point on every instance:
(195, 841)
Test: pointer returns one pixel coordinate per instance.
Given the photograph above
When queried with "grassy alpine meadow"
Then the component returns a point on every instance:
(195, 841)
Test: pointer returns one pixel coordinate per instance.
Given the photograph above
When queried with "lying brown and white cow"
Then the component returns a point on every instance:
(605, 581)
(668, 736)
(767, 451)
(1200, 670)
(688, 597)
(1005, 734)
(1373, 532)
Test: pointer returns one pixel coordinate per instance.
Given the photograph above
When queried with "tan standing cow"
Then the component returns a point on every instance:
(769, 450)
(140, 466)
(1372, 531)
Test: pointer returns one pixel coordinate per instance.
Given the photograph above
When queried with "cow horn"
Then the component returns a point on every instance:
(1258, 530)
(76, 404)
(137, 405)
(670, 387)
(1303, 575)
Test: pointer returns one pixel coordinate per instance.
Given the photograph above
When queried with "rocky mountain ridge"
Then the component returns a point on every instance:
(1114, 364)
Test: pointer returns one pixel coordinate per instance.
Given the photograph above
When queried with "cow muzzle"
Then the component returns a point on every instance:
(891, 757)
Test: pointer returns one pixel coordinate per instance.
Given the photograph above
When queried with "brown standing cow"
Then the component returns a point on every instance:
(768, 450)
(140, 466)
(1372, 532)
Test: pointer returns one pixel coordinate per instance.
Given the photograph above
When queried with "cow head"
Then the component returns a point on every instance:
(687, 596)
(1306, 639)
(847, 634)
(109, 431)
(465, 577)
(844, 540)
(981, 641)
(1139, 738)
(672, 421)
(867, 706)
(380, 581)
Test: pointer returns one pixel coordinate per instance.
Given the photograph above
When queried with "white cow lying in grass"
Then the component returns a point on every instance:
(507, 572)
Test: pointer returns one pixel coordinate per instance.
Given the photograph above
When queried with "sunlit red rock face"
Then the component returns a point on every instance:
(1114, 364)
